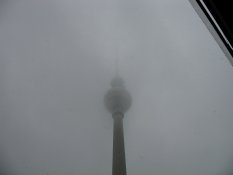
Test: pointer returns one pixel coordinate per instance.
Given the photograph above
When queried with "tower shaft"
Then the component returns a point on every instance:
(118, 163)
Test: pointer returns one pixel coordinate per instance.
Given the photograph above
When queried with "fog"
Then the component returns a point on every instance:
(57, 58)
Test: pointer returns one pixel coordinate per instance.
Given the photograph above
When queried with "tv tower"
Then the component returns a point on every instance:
(118, 101)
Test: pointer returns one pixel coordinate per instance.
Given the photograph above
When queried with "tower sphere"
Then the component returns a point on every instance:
(117, 98)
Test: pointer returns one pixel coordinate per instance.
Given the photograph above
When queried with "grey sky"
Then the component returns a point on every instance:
(56, 63)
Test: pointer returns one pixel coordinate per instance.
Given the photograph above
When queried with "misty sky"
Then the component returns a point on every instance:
(56, 63)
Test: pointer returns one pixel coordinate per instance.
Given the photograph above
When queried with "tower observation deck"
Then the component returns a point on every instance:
(118, 101)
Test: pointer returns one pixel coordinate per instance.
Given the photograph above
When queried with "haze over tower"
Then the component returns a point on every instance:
(118, 101)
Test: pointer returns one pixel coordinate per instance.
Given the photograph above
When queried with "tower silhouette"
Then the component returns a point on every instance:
(118, 101)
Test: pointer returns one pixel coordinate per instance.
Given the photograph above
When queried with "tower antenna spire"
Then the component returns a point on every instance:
(117, 60)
